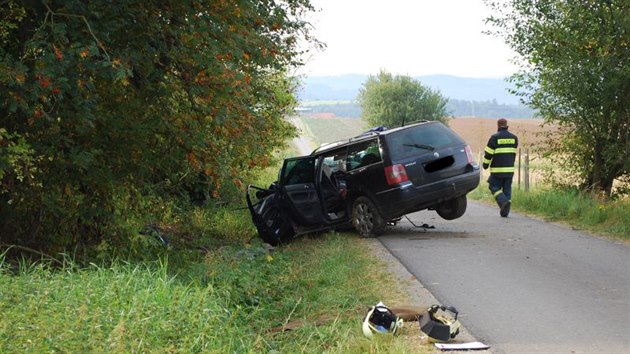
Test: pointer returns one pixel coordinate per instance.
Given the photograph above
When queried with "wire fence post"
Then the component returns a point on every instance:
(480, 165)
(526, 174)
(518, 176)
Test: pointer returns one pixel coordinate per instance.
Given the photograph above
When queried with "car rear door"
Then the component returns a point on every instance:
(299, 194)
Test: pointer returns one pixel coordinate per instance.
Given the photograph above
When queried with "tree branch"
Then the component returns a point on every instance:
(52, 13)
(27, 249)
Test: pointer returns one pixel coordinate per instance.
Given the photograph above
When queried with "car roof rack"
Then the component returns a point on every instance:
(415, 121)
(370, 132)
(330, 145)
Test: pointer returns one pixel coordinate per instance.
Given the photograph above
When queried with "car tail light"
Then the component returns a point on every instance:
(396, 174)
(469, 154)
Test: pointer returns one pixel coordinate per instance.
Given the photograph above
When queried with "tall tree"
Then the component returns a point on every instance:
(397, 100)
(99, 99)
(575, 69)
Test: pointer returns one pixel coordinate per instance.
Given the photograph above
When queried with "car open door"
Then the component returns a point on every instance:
(299, 193)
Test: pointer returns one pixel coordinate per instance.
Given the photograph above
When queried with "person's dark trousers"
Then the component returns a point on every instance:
(501, 188)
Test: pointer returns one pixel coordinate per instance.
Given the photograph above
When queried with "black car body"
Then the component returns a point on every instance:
(368, 181)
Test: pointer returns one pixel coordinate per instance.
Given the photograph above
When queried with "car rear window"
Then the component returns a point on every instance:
(420, 139)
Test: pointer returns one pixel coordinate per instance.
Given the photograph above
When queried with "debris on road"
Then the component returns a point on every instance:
(462, 346)
(440, 327)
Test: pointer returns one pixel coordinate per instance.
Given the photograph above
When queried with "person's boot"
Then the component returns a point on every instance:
(505, 209)
(502, 202)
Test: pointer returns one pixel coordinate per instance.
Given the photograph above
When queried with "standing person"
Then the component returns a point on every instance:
(500, 154)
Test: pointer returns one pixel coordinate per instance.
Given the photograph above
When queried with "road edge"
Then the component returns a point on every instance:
(417, 293)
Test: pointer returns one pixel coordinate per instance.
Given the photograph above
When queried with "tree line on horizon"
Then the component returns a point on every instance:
(454, 108)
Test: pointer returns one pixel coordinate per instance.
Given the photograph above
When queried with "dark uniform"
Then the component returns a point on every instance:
(500, 154)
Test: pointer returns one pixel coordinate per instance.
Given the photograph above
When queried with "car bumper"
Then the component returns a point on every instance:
(407, 198)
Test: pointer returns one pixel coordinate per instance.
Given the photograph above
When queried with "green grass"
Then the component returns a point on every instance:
(226, 300)
(333, 129)
(609, 218)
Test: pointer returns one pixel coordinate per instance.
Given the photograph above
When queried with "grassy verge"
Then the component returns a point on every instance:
(570, 207)
(225, 300)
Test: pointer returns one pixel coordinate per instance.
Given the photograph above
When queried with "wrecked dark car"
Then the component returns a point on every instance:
(367, 182)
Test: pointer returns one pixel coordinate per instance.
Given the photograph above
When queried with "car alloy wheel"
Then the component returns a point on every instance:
(366, 218)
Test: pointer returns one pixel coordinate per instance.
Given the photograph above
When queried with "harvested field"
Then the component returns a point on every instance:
(476, 131)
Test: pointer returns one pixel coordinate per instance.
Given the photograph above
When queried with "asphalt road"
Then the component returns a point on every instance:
(520, 284)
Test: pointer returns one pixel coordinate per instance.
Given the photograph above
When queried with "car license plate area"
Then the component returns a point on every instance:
(439, 164)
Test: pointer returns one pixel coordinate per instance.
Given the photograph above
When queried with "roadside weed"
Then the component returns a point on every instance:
(228, 299)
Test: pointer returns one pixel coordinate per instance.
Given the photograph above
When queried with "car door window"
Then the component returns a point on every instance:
(298, 171)
(336, 161)
(333, 167)
(363, 154)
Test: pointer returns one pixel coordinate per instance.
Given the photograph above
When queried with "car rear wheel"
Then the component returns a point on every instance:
(452, 209)
(366, 219)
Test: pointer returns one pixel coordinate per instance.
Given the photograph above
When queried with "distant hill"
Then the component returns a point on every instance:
(346, 87)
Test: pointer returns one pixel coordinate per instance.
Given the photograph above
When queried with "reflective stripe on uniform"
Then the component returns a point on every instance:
(506, 141)
(501, 169)
(505, 151)
(497, 193)
(489, 150)
(486, 161)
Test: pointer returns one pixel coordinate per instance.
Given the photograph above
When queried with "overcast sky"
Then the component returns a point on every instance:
(409, 37)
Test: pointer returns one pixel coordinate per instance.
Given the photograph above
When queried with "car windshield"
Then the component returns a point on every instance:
(422, 138)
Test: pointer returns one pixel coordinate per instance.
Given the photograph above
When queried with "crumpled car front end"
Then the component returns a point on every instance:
(271, 221)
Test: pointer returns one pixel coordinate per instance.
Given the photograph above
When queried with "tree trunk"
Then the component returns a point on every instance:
(601, 179)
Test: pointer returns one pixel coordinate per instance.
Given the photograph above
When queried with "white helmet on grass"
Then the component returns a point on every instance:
(380, 319)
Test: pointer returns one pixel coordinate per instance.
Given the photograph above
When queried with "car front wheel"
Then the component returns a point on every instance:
(452, 209)
(366, 219)
(277, 229)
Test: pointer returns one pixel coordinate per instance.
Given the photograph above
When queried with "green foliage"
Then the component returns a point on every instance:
(576, 73)
(16, 159)
(393, 101)
(177, 100)
(223, 301)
